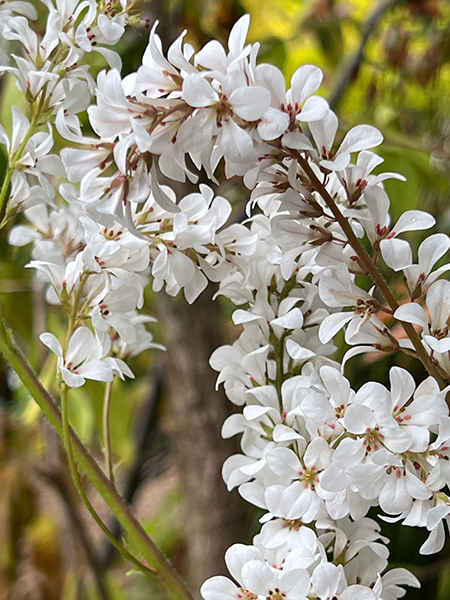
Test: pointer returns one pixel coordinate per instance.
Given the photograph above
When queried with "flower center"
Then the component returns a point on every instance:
(372, 439)
(293, 524)
(309, 477)
(339, 411)
(223, 108)
(440, 333)
(276, 595)
(399, 415)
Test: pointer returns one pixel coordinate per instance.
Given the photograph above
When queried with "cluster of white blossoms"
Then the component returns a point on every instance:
(316, 455)
(48, 73)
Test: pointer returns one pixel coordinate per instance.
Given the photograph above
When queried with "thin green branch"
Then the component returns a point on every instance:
(279, 349)
(107, 430)
(16, 156)
(73, 318)
(76, 479)
(4, 197)
(74, 309)
(168, 576)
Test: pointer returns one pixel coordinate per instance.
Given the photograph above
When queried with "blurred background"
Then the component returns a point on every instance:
(384, 63)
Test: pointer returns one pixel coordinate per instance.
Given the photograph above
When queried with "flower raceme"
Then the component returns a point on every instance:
(103, 222)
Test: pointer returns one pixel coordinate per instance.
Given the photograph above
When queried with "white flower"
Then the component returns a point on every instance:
(338, 290)
(289, 584)
(323, 130)
(83, 359)
(435, 333)
(298, 104)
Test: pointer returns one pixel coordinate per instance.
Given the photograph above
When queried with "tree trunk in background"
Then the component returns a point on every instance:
(214, 518)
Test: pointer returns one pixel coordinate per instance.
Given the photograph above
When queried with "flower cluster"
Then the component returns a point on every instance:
(314, 449)
(48, 73)
(316, 455)
(293, 562)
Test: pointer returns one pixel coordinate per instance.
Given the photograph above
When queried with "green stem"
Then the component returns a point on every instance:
(73, 314)
(140, 540)
(10, 170)
(107, 430)
(16, 156)
(87, 502)
(280, 369)
(73, 318)
(371, 269)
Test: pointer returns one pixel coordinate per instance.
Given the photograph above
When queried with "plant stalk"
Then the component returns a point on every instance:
(76, 479)
(168, 576)
(107, 430)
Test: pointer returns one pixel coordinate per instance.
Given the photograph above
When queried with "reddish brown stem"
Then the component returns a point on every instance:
(371, 268)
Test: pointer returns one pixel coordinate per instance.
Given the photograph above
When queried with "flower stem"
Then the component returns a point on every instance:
(74, 309)
(280, 369)
(371, 269)
(107, 430)
(168, 576)
(87, 502)
(15, 157)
